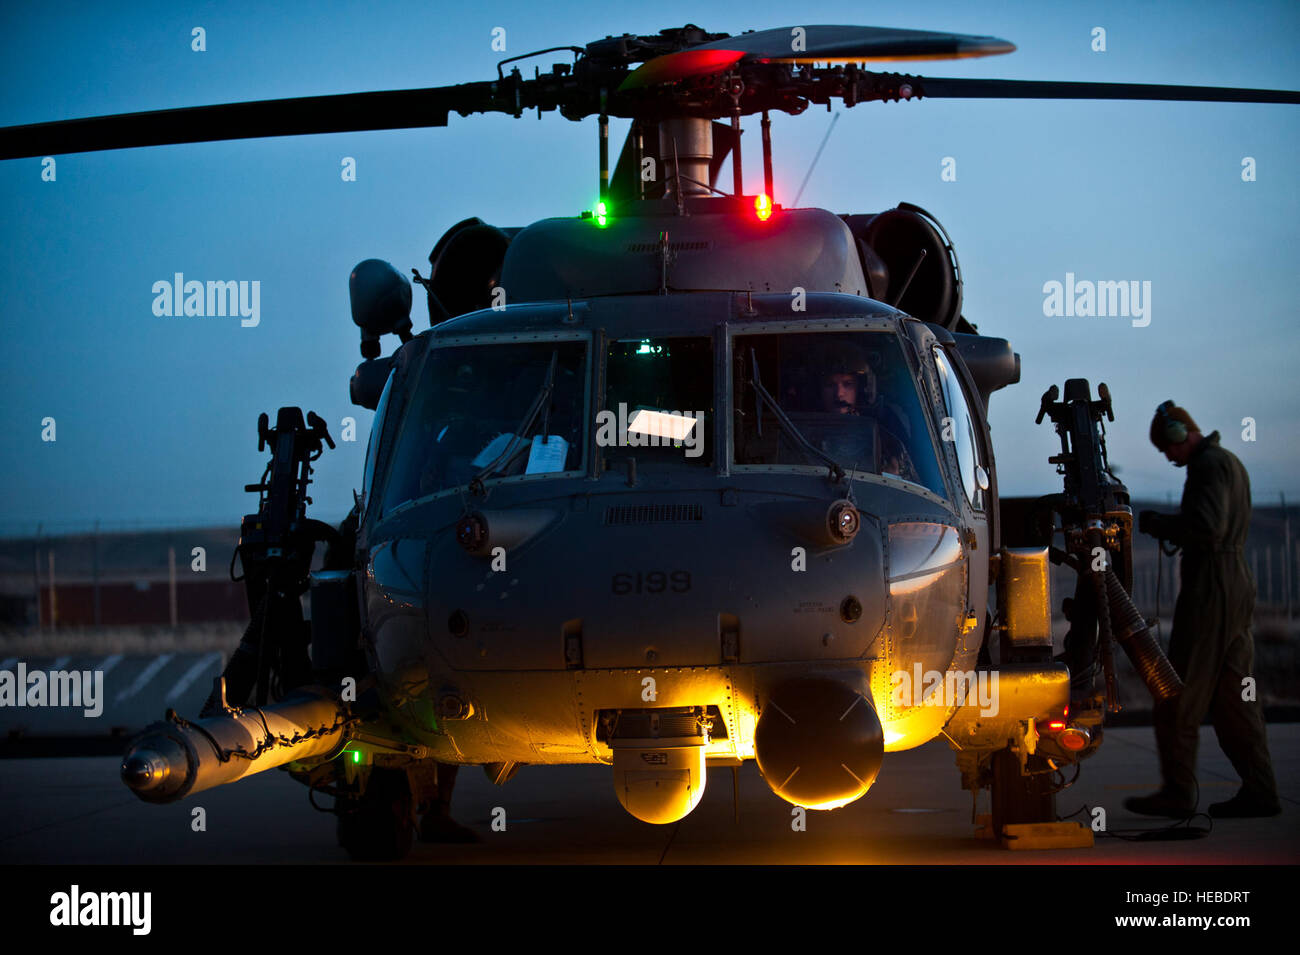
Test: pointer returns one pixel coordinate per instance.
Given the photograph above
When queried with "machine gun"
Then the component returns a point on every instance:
(276, 546)
(175, 757)
(1097, 524)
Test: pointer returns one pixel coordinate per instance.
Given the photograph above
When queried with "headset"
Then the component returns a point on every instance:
(1175, 432)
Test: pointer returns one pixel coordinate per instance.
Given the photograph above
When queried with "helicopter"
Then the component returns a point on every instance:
(690, 480)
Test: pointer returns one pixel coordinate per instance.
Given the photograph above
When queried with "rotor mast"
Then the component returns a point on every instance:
(686, 145)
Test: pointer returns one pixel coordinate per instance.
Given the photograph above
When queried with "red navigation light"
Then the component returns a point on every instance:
(1075, 739)
(762, 206)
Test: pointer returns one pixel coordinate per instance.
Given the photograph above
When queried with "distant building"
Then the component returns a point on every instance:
(120, 579)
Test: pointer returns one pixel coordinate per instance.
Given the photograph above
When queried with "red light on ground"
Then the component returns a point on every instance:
(762, 206)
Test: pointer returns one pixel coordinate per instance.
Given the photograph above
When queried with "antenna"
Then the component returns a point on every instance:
(767, 156)
(677, 180)
(604, 149)
(638, 151)
(835, 119)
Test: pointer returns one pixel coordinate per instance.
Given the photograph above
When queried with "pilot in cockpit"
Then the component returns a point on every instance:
(848, 386)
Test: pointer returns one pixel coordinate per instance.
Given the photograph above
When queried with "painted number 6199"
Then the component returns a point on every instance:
(651, 582)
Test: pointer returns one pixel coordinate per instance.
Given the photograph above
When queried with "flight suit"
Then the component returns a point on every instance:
(1210, 645)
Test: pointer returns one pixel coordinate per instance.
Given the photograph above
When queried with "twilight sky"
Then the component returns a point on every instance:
(156, 416)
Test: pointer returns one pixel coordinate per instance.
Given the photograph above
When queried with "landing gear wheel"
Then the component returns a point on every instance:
(381, 826)
(1017, 798)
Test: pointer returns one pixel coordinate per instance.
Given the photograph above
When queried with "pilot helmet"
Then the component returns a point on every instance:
(837, 356)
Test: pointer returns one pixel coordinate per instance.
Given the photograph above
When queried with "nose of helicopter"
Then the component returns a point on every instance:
(818, 742)
(144, 770)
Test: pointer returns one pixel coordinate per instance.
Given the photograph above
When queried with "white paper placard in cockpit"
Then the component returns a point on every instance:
(547, 456)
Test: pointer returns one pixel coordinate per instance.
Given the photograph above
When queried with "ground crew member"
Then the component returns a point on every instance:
(1210, 645)
(436, 824)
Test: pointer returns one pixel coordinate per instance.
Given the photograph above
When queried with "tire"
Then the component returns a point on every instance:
(381, 826)
(1017, 798)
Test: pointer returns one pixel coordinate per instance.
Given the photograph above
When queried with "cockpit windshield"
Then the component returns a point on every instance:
(492, 410)
(848, 399)
(658, 402)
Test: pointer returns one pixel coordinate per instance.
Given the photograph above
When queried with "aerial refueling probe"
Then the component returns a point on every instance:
(176, 757)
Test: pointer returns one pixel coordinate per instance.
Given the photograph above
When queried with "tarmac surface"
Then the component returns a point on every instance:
(76, 811)
(136, 689)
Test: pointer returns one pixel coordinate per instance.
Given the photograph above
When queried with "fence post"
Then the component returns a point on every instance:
(54, 603)
(1287, 566)
(95, 569)
(36, 577)
(171, 582)
(1268, 574)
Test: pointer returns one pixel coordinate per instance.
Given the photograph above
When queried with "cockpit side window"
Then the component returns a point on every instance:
(490, 411)
(959, 428)
(848, 397)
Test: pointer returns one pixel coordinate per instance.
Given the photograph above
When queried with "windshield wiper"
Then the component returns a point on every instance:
(519, 440)
(837, 472)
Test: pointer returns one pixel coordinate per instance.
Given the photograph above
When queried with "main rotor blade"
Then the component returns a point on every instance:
(342, 113)
(851, 44)
(951, 88)
(815, 44)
